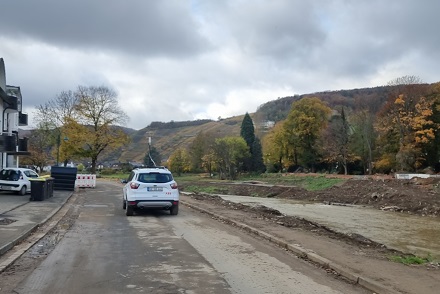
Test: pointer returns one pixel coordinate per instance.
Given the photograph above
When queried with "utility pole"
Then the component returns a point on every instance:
(149, 151)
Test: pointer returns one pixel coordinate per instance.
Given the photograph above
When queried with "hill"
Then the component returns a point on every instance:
(373, 98)
(167, 137)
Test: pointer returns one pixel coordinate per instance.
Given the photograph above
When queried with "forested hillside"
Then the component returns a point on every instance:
(167, 136)
(383, 128)
(277, 110)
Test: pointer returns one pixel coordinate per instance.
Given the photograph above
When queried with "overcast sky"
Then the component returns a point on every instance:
(196, 59)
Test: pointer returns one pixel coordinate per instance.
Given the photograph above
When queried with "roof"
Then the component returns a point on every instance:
(159, 169)
(17, 168)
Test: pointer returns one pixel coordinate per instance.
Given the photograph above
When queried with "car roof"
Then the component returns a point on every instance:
(16, 168)
(159, 169)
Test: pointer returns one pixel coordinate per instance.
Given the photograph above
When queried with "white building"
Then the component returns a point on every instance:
(11, 146)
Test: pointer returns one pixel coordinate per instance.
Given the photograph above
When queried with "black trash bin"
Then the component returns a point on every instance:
(64, 177)
(49, 183)
(38, 190)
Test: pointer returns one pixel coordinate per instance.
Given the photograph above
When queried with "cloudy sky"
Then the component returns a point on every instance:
(195, 59)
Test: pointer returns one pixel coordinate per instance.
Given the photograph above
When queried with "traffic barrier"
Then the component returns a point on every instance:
(410, 176)
(85, 181)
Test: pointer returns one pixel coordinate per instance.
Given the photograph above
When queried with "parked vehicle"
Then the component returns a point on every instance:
(148, 188)
(16, 179)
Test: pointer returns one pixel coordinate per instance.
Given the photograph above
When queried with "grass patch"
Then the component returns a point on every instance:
(308, 182)
(411, 259)
(311, 183)
(122, 176)
(202, 189)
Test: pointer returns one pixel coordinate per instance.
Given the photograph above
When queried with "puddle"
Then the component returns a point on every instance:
(403, 232)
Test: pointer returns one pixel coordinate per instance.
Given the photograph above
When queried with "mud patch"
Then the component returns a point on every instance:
(416, 196)
(6, 221)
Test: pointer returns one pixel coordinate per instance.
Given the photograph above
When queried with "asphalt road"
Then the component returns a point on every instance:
(104, 251)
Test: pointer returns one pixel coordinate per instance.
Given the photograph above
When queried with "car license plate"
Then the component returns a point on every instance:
(155, 189)
(5, 188)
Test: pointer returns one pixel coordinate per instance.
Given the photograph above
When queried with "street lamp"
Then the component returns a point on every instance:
(58, 146)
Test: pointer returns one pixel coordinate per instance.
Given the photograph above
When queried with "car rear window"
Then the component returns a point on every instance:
(9, 175)
(154, 178)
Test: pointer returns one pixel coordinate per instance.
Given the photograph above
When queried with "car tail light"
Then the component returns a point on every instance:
(134, 185)
(173, 186)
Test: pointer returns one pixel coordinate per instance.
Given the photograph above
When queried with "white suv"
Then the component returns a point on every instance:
(150, 188)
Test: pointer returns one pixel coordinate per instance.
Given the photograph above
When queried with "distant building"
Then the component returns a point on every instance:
(268, 124)
(11, 146)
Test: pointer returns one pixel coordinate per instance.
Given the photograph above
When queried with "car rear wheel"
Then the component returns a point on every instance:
(124, 204)
(129, 210)
(22, 191)
(174, 210)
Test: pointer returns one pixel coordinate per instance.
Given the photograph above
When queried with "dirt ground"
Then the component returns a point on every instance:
(416, 196)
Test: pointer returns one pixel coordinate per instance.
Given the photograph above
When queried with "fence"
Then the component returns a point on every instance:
(85, 181)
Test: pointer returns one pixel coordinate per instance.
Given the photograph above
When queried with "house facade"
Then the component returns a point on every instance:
(11, 145)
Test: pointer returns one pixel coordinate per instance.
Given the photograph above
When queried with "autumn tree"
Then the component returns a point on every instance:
(52, 117)
(39, 147)
(303, 126)
(404, 114)
(406, 121)
(198, 150)
(275, 148)
(432, 149)
(337, 140)
(98, 114)
(179, 161)
(230, 153)
(363, 138)
(89, 118)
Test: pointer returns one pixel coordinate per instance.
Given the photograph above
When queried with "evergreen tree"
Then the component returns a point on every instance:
(255, 162)
(257, 157)
(247, 131)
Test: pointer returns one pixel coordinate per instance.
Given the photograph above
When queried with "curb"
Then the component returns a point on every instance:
(304, 253)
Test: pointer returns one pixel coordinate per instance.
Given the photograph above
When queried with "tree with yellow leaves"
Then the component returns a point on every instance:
(413, 128)
(89, 118)
(303, 126)
(179, 162)
(275, 152)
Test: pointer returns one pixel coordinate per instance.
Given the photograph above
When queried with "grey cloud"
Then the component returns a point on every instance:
(284, 29)
(159, 28)
(194, 55)
(372, 34)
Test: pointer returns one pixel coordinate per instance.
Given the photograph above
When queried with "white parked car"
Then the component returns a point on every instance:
(16, 179)
(150, 188)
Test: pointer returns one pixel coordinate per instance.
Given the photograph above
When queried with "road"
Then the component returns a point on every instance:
(100, 250)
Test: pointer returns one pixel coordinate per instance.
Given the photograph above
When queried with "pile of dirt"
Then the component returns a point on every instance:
(416, 196)
(277, 218)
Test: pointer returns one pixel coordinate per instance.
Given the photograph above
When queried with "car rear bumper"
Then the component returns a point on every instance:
(10, 187)
(165, 204)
